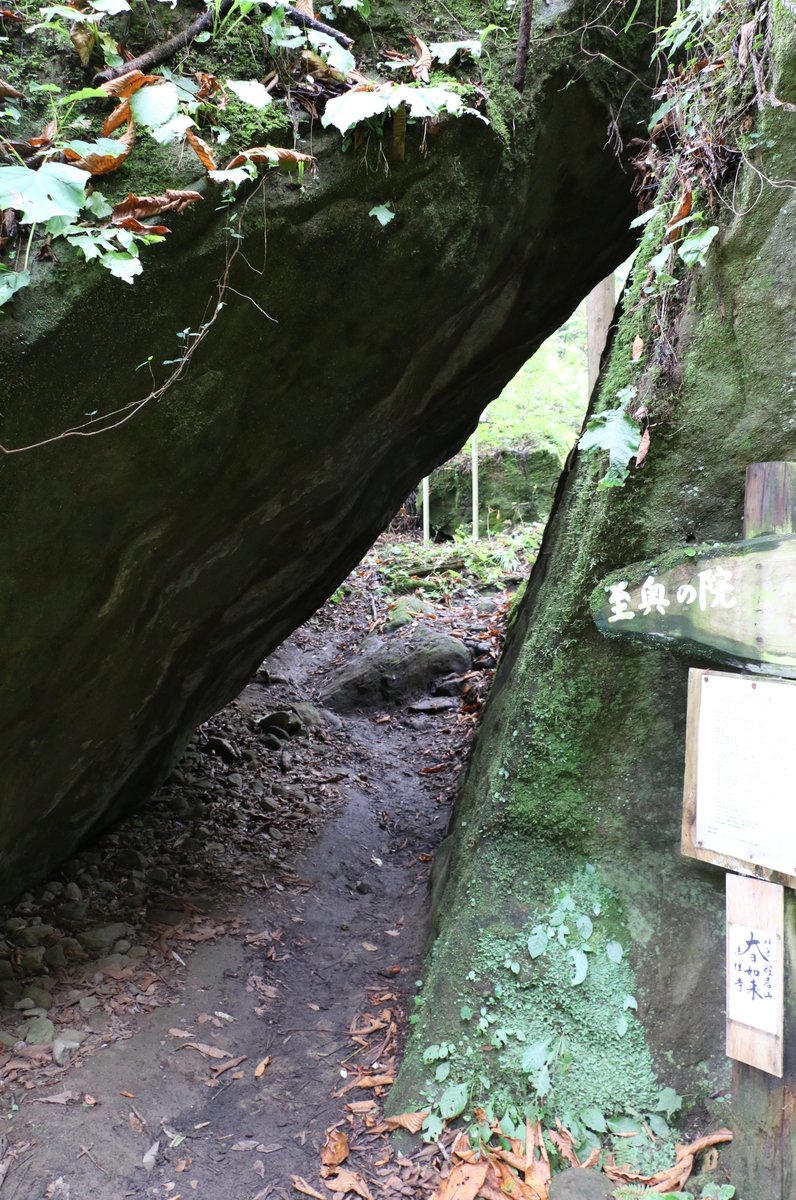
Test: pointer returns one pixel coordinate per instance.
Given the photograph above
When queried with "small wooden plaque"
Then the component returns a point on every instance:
(755, 980)
(739, 806)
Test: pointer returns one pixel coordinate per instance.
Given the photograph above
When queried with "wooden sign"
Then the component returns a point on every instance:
(739, 807)
(755, 980)
(733, 603)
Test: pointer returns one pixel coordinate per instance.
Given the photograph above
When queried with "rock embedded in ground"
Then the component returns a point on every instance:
(39, 1032)
(390, 669)
(405, 610)
(579, 1183)
(103, 937)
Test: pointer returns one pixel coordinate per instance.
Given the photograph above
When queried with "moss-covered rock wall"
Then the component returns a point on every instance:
(570, 813)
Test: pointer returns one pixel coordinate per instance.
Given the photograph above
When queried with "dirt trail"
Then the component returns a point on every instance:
(241, 955)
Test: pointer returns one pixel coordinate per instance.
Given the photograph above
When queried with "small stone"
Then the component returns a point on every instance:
(122, 946)
(580, 1183)
(235, 780)
(103, 937)
(63, 1049)
(54, 955)
(132, 860)
(55, 887)
(10, 992)
(157, 875)
(31, 960)
(164, 916)
(6, 970)
(25, 1003)
(72, 949)
(137, 952)
(112, 961)
(87, 1003)
(72, 891)
(8, 1039)
(313, 809)
(72, 913)
(34, 935)
(40, 1032)
(270, 803)
(38, 996)
(14, 924)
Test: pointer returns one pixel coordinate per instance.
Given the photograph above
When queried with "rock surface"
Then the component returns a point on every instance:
(389, 669)
(148, 570)
(580, 1184)
(516, 485)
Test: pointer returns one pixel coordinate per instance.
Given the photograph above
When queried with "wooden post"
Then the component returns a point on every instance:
(475, 484)
(600, 304)
(764, 1107)
(426, 513)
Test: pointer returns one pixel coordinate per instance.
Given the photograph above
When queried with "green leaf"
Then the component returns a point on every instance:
(669, 1102)
(622, 1024)
(425, 101)
(614, 951)
(11, 282)
(105, 146)
(585, 926)
(383, 213)
(593, 1118)
(350, 109)
(155, 105)
(693, 249)
(630, 1002)
(535, 1056)
(122, 264)
(625, 1126)
(658, 1125)
(55, 190)
(250, 91)
(236, 176)
(431, 1127)
(465, 1012)
(645, 216)
(445, 51)
(86, 93)
(333, 54)
(442, 1072)
(453, 1101)
(98, 205)
(538, 942)
(173, 130)
(615, 432)
(580, 965)
(542, 1082)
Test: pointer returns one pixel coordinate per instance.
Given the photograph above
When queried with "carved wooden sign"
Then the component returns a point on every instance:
(732, 603)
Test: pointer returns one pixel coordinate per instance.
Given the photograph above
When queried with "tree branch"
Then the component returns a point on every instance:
(166, 50)
(523, 44)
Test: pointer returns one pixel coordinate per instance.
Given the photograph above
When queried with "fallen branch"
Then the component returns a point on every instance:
(523, 44)
(166, 50)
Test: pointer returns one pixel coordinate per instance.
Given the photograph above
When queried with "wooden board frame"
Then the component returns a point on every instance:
(762, 905)
(691, 800)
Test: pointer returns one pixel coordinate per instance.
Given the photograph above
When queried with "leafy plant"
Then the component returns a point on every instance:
(615, 431)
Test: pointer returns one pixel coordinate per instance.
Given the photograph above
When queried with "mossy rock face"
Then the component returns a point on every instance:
(148, 570)
(515, 485)
(579, 758)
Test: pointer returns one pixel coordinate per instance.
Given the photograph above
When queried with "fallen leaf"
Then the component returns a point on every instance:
(128, 1095)
(420, 69)
(683, 210)
(201, 150)
(59, 1098)
(464, 1182)
(745, 36)
(102, 164)
(638, 347)
(89, 1100)
(643, 448)
(227, 1066)
(335, 1148)
(411, 1121)
(272, 154)
(180, 1033)
(120, 115)
(245, 1144)
(301, 1185)
(183, 1164)
(125, 85)
(348, 1181)
(151, 1156)
(135, 1123)
(172, 200)
(203, 1048)
(369, 946)
(83, 38)
(262, 1066)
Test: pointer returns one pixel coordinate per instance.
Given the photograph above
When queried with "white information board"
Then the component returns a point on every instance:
(754, 977)
(746, 770)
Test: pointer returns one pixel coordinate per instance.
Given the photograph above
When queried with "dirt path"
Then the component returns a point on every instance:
(240, 925)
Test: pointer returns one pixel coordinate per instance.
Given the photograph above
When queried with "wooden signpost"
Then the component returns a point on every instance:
(736, 605)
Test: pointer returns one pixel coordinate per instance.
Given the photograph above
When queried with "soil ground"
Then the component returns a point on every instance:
(236, 958)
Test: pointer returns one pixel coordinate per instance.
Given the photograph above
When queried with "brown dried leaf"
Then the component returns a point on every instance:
(464, 1182)
(421, 68)
(643, 447)
(120, 115)
(335, 1148)
(270, 154)
(125, 85)
(103, 164)
(348, 1181)
(638, 347)
(301, 1185)
(683, 210)
(745, 36)
(7, 90)
(305, 7)
(201, 150)
(262, 1066)
(411, 1121)
(136, 226)
(172, 200)
(83, 38)
(205, 1049)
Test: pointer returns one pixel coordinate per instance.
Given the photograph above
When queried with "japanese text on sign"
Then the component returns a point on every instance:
(754, 977)
(713, 588)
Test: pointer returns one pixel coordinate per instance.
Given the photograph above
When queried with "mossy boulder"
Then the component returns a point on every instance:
(153, 557)
(516, 485)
